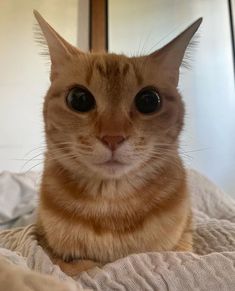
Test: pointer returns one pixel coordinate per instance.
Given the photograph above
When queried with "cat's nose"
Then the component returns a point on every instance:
(112, 141)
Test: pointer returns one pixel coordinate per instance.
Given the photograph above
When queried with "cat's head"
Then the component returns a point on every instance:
(107, 114)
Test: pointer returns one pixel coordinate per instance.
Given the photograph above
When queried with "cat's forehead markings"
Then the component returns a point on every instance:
(126, 69)
(138, 75)
(113, 67)
(101, 69)
(108, 66)
(89, 71)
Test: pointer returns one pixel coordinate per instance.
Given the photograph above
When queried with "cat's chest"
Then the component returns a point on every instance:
(81, 241)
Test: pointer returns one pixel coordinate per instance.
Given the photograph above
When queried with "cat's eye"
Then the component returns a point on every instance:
(148, 101)
(80, 99)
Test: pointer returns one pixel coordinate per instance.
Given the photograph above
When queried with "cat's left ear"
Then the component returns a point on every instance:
(60, 50)
(170, 57)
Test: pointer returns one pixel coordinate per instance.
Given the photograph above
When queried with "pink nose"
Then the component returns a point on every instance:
(112, 141)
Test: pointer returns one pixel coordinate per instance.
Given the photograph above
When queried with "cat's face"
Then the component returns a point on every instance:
(109, 115)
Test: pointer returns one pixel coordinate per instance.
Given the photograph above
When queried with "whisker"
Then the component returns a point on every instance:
(145, 42)
(33, 167)
(63, 158)
(35, 149)
(31, 159)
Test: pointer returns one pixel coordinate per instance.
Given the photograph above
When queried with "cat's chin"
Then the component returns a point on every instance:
(111, 169)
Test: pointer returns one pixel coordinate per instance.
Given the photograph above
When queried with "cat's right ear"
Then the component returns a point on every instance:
(60, 50)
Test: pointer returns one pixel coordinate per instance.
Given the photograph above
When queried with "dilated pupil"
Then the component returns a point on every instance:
(147, 101)
(80, 100)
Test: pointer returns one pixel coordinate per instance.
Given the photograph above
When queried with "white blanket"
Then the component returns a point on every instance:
(211, 268)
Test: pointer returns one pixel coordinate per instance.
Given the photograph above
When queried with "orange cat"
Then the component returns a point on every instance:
(113, 182)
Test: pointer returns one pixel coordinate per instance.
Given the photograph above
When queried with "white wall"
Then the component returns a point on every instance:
(24, 75)
(137, 26)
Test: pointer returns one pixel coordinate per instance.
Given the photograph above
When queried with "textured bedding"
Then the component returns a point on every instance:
(212, 267)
